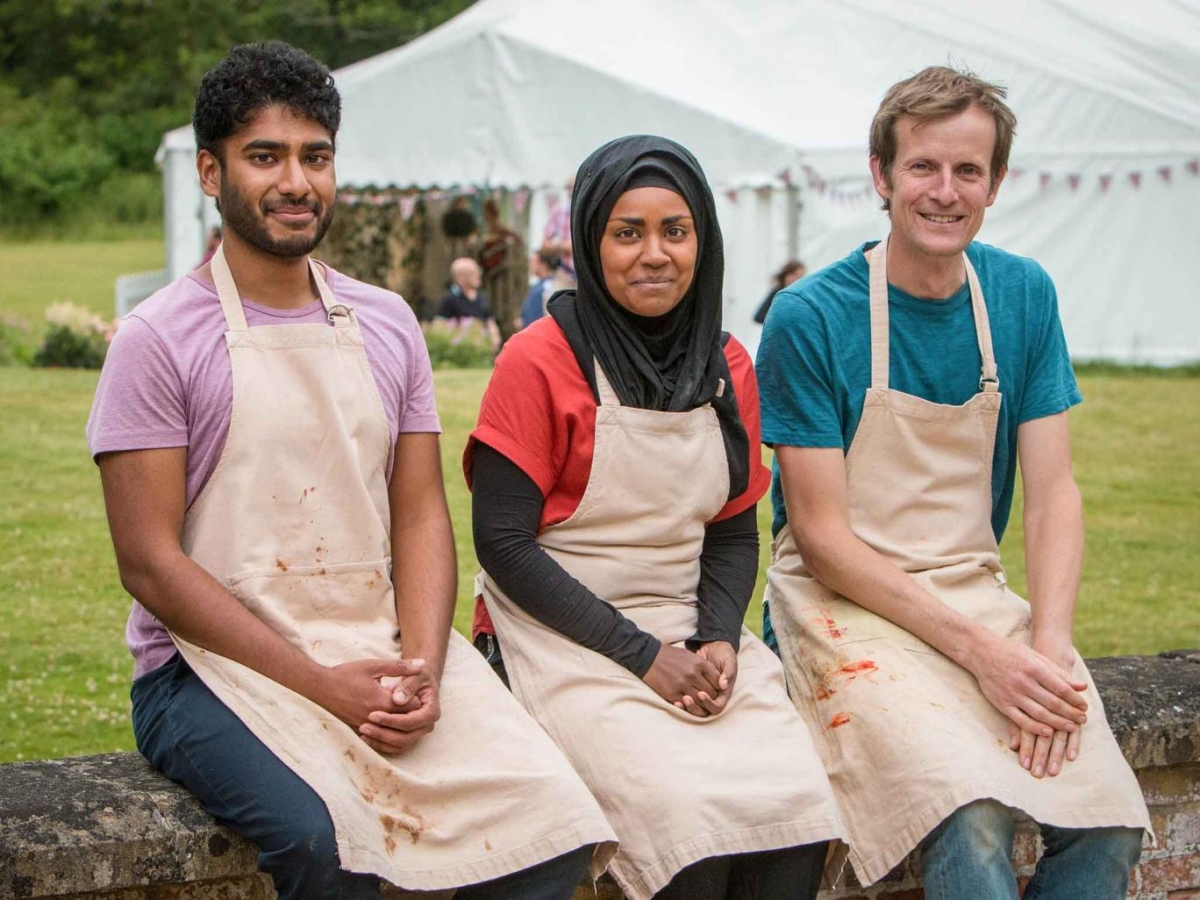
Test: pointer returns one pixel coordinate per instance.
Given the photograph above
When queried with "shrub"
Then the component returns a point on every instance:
(14, 343)
(77, 338)
(461, 344)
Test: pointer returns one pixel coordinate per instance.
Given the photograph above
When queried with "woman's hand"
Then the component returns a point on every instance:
(680, 676)
(722, 655)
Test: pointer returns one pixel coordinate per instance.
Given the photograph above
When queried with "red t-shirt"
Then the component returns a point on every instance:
(539, 412)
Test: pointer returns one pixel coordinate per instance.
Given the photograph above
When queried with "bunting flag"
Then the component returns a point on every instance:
(845, 191)
(731, 195)
(784, 175)
(407, 204)
(520, 200)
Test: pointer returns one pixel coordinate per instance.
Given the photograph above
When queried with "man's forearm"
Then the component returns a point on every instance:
(425, 579)
(843, 562)
(194, 606)
(1054, 541)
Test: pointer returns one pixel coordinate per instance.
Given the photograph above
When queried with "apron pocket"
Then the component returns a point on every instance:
(334, 613)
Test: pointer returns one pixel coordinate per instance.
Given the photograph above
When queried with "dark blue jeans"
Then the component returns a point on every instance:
(793, 873)
(194, 739)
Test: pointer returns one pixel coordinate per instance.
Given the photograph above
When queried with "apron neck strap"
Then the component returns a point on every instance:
(608, 396)
(989, 382)
(339, 314)
(227, 292)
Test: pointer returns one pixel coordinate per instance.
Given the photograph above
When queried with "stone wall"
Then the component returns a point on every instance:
(110, 828)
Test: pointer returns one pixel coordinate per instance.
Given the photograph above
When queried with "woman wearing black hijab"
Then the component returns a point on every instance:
(615, 471)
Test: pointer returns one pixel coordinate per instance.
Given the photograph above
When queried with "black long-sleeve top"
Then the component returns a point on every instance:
(507, 509)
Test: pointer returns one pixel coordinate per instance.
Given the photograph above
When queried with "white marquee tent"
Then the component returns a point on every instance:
(775, 98)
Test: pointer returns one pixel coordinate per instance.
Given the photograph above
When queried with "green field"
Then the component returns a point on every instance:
(38, 273)
(65, 673)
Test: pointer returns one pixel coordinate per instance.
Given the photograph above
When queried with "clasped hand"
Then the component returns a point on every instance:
(699, 683)
(1041, 698)
(390, 703)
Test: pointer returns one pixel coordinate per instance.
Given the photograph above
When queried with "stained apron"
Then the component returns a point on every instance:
(905, 733)
(295, 523)
(675, 787)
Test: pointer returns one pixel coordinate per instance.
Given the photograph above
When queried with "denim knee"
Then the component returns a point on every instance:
(981, 830)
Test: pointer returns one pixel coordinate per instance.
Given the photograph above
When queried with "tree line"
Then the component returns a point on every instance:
(87, 87)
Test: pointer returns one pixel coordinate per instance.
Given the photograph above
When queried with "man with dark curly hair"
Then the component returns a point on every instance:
(267, 440)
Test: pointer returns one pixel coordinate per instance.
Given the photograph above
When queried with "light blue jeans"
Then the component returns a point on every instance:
(968, 857)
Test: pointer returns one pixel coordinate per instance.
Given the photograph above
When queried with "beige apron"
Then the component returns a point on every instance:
(294, 522)
(675, 787)
(906, 734)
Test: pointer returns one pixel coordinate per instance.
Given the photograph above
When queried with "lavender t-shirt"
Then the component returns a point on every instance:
(167, 382)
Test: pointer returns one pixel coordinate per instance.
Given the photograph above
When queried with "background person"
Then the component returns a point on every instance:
(615, 471)
(900, 386)
(793, 270)
(211, 242)
(505, 270)
(465, 298)
(556, 240)
(267, 440)
(541, 266)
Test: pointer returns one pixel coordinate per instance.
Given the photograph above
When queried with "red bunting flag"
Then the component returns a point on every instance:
(1135, 178)
(731, 195)
(1015, 173)
(784, 175)
(1043, 180)
(1073, 180)
(1164, 172)
(1193, 166)
(1105, 182)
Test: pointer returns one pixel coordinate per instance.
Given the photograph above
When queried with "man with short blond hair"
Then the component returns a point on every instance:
(900, 386)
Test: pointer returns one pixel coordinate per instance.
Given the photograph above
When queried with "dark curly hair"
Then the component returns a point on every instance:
(254, 76)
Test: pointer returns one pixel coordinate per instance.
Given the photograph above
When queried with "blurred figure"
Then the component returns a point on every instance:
(211, 243)
(505, 270)
(542, 266)
(793, 270)
(465, 299)
(556, 240)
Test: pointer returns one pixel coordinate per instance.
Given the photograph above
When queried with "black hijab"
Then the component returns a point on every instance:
(672, 362)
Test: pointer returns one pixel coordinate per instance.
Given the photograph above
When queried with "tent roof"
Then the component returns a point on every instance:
(517, 92)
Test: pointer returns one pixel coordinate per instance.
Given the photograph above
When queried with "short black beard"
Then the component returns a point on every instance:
(240, 216)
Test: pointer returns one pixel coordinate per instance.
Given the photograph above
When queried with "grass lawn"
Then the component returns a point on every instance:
(64, 677)
(38, 273)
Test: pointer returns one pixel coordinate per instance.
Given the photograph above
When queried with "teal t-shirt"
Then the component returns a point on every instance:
(814, 359)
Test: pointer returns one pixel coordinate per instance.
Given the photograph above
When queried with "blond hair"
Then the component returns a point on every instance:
(939, 92)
